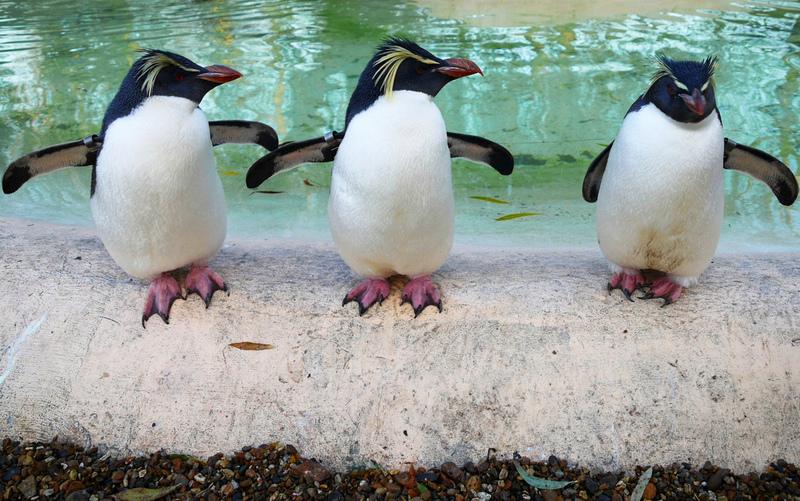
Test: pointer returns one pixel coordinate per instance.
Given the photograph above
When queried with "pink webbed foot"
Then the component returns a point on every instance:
(367, 293)
(421, 292)
(204, 282)
(665, 289)
(164, 290)
(626, 283)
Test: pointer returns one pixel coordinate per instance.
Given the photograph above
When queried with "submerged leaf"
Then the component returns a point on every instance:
(266, 192)
(250, 346)
(541, 483)
(308, 183)
(231, 173)
(641, 485)
(145, 494)
(517, 215)
(488, 199)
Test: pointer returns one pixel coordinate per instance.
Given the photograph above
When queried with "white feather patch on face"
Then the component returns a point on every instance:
(705, 86)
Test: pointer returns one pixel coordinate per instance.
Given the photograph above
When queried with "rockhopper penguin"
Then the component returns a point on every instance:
(156, 197)
(391, 207)
(659, 185)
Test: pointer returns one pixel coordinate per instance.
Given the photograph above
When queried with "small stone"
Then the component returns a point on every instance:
(550, 496)
(311, 469)
(28, 487)
(590, 485)
(716, 479)
(200, 478)
(180, 479)
(451, 470)
(48, 492)
(117, 476)
(503, 474)
(474, 483)
(650, 491)
(227, 473)
(78, 496)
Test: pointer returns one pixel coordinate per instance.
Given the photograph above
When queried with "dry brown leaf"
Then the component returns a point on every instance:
(250, 346)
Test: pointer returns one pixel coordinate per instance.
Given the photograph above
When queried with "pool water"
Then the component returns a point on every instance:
(558, 82)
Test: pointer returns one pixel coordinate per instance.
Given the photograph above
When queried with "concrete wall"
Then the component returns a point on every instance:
(531, 355)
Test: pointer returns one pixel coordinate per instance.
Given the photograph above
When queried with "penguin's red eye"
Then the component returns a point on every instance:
(179, 76)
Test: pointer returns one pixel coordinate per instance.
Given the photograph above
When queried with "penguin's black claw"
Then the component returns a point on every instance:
(204, 282)
(421, 292)
(628, 284)
(664, 288)
(163, 292)
(367, 293)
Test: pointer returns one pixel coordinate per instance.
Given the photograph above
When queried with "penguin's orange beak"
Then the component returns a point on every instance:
(219, 74)
(457, 67)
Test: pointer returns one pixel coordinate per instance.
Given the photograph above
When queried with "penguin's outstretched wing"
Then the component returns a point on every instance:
(80, 153)
(594, 175)
(292, 154)
(481, 150)
(243, 132)
(763, 167)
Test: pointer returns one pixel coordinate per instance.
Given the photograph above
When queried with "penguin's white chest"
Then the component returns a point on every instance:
(158, 203)
(391, 208)
(661, 200)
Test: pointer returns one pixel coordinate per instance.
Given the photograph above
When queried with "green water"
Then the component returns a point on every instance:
(552, 93)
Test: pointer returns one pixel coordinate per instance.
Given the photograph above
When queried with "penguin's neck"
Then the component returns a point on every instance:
(405, 113)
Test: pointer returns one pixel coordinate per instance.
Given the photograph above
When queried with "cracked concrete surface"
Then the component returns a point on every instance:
(530, 354)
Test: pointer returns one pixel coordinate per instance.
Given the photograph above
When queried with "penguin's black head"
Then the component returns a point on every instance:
(162, 73)
(401, 64)
(684, 90)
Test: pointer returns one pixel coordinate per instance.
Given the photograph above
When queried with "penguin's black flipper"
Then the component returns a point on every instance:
(594, 175)
(763, 167)
(481, 150)
(80, 153)
(291, 154)
(243, 132)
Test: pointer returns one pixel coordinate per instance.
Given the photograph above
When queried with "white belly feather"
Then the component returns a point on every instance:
(391, 208)
(661, 200)
(159, 203)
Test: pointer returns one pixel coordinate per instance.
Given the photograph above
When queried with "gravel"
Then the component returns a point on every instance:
(58, 470)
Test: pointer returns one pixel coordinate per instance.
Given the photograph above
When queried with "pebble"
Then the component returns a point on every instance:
(451, 470)
(28, 487)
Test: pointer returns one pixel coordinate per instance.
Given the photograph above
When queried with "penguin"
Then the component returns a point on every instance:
(391, 206)
(659, 185)
(156, 198)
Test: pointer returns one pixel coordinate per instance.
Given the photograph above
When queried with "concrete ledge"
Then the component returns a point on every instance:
(531, 354)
